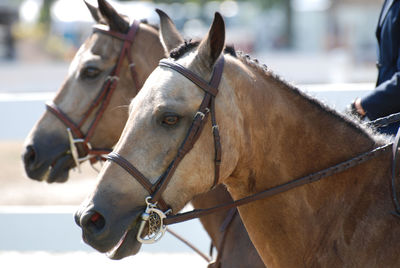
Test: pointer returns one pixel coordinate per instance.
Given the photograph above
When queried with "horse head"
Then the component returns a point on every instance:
(97, 89)
(159, 119)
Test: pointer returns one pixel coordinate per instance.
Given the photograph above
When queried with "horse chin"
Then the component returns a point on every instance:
(59, 170)
(127, 245)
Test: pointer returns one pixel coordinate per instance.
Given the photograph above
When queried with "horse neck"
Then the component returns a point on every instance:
(287, 131)
(286, 135)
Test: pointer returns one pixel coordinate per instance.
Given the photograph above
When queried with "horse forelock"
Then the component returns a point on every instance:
(183, 48)
(190, 44)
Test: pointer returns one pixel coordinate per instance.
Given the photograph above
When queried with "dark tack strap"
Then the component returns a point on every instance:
(134, 172)
(97, 101)
(217, 73)
(232, 213)
(211, 88)
(384, 121)
(122, 162)
(198, 123)
(191, 137)
(217, 143)
(51, 107)
(186, 242)
(215, 80)
(282, 187)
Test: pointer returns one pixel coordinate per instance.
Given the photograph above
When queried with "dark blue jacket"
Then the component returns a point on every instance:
(385, 99)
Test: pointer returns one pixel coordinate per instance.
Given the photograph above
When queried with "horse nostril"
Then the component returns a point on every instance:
(93, 222)
(29, 156)
(97, 220)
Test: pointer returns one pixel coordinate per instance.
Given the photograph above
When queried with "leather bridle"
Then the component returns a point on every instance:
(207, 107)
(80, 146)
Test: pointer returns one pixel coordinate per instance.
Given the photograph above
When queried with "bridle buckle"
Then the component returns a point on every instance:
(154, 219)
(74, 150)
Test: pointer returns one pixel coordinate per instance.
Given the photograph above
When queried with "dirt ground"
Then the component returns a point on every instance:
(17, 189)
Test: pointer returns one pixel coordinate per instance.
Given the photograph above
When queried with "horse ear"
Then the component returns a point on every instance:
(212, 45)
(169, 35)
(94, 11)
(112, 18)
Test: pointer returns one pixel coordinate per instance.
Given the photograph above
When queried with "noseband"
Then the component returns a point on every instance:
(76, 136)
(207, 106)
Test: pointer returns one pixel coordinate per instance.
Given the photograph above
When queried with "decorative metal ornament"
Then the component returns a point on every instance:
(153, 219)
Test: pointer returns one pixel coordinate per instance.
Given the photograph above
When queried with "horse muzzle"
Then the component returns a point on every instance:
(116, 238)
(43, 163)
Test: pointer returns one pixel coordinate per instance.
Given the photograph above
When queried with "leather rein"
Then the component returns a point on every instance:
(208, 106)
(80, 142)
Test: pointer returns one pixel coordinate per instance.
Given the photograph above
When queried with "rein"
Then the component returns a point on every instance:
(343, 166)
(78, 140)
(313, 177)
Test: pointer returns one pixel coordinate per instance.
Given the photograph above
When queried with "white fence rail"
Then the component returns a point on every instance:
(20, 111)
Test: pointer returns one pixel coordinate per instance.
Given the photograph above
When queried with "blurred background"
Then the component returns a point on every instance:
(326, 47)
(341, 31)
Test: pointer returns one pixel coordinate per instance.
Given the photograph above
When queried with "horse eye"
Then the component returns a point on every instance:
(170, 120)
(90, 72)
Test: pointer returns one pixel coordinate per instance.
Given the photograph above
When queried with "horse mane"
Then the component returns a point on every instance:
(346, 119)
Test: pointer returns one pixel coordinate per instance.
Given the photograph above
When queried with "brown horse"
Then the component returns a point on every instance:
(47, 156)
(48, 141)
(270, 134)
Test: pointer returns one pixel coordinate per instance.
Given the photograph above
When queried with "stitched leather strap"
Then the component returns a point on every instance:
(122, 162)
(281, 188)
(198, 123)
(190, 75)
(224, 229)
(134, 172)
(51, 107)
